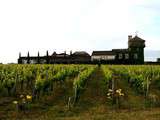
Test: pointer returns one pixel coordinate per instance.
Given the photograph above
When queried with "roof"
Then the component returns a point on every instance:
(120, 50)
(32, 57)
(103, 53)
(62, 54)
(59, 55)
(81, 53)
(136, 38)
(136, 42)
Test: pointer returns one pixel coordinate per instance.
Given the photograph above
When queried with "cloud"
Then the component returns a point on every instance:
(40, 25)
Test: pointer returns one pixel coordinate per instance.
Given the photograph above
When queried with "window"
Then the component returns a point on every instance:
(120, 56)
(135, 56)
(96, 58)
(110, 57)
(126, 56)
(103, 57)
(137, 49)
(24, 61)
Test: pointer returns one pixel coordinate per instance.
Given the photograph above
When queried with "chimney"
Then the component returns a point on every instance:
(54, 53)
(20, 55)
(71, 52)
(129, 37)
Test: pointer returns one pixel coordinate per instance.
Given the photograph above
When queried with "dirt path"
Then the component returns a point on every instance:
(94, 96)
(91, 101)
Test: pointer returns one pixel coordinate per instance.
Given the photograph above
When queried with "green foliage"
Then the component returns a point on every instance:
(36, 78)
(140, 77)
(80, 81)
(107, 73)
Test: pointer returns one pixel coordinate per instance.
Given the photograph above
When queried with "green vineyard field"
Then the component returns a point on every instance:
(75, 92)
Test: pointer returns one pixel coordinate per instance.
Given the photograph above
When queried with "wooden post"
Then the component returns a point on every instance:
(113, 91)
(75, 94)
(69, 103)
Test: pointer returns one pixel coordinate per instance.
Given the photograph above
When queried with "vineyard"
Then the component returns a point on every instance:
(79, 92)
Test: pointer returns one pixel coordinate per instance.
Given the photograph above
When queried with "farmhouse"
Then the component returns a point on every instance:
(134, 54)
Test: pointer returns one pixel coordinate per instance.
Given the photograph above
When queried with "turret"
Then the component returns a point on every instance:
(47, 57)
(20, 59)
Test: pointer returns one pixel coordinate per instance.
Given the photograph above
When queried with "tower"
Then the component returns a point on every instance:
(28, 58)
(136, 47)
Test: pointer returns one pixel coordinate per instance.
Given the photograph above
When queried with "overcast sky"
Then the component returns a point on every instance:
(59, 25)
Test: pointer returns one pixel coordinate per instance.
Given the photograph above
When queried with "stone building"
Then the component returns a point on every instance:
(134, 54)
(81, 57)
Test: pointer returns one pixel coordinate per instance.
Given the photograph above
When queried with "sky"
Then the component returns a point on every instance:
(77, 25)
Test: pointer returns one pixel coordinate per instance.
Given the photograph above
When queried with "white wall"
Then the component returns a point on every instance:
(103, 57)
